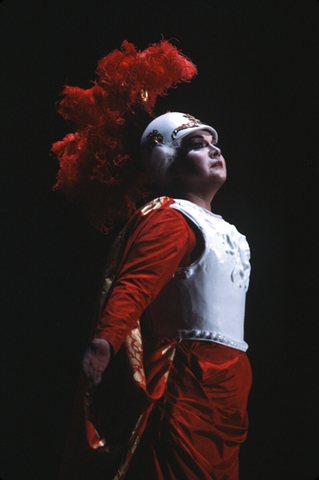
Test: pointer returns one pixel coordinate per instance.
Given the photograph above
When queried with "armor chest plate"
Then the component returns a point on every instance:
(206, 300)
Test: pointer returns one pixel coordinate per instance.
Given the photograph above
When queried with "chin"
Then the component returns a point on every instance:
(221, 179)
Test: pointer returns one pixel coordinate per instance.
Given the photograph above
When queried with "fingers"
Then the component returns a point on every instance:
(91, 370)
(98, 377)
(95, 375)
(96, 359)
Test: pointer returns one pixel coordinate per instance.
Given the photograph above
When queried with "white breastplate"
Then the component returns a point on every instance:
(206, 301)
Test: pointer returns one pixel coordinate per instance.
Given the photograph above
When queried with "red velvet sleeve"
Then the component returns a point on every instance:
(165, 242)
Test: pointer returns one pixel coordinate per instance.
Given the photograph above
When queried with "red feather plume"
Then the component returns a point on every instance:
(96, 167)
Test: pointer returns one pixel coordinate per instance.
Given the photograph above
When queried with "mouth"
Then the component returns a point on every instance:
(218, 163)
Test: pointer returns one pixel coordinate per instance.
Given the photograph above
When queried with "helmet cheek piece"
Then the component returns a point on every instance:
(157, 161)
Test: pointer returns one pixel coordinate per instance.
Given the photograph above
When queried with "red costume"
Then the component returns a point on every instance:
(189, 397)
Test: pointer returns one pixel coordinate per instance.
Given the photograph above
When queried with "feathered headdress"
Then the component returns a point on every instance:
(97, 164)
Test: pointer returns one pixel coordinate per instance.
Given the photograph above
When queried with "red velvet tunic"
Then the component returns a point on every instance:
(165, 242)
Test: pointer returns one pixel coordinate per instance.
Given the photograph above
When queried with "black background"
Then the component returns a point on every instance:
(257, 84)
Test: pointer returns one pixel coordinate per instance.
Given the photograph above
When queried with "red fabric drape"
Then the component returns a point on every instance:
(197, 427)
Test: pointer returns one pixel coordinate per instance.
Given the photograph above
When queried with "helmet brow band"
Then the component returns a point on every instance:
(185, 125)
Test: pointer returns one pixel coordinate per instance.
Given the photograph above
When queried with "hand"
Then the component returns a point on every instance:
(96, 359)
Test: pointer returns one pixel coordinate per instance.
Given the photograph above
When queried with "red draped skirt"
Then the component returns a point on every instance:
(196, 428)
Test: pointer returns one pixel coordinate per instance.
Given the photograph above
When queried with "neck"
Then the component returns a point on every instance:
(200, 196)
(197, 199)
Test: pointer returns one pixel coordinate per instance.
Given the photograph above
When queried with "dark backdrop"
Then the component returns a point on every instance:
(258, 85)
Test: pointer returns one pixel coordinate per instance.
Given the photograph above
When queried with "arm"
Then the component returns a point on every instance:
(164, 243)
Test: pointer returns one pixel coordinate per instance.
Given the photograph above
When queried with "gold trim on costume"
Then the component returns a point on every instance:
(153, 205)
(170, 352)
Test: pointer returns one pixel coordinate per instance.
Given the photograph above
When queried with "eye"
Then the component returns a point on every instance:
(198, 145)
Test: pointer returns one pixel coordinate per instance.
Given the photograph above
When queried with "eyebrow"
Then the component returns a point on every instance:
(188, 140)
(196, 136)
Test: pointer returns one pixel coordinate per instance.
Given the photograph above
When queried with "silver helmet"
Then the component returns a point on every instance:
(161, 136)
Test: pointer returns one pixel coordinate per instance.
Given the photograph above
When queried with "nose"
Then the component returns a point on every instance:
(215, 151)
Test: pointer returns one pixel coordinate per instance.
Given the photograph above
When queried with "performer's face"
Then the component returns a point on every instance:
(203, 161)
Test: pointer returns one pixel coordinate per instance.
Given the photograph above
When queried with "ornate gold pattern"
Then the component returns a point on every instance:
(134, 347)
(169, 352)
(144, 98)
(144, 95)
(155, 138)
(193, 119)
(121, 471)
(132, 444)
(193, 123)
(153, 205)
